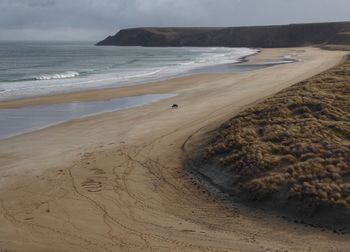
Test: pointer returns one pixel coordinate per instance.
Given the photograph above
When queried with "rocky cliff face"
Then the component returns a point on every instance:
(257, 36)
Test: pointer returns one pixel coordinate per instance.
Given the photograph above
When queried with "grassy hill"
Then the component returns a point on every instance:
(257, 36)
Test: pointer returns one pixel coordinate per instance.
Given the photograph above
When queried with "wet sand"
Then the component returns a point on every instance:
(16, 121)
(115, 182)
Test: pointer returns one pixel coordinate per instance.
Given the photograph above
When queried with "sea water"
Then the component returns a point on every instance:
(41, 68)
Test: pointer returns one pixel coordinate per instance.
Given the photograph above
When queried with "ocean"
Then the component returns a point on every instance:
(41, 68)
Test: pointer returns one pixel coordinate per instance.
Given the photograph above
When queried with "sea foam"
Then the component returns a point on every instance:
(64, 75)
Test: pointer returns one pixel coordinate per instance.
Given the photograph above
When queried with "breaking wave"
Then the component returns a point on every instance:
(64, 75)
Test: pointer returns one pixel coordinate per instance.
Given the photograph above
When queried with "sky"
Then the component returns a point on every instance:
(93, 20)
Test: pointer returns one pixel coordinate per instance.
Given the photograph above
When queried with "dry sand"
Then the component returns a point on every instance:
(115, 182)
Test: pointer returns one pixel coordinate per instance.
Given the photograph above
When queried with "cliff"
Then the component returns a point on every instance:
(256, 36)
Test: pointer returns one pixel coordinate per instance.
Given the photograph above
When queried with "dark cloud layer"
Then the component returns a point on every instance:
(94, 19)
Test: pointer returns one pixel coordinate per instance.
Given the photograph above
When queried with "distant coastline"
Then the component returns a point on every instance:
(294, 35)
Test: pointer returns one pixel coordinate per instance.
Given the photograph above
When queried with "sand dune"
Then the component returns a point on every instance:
(116, 182)
(289, 153)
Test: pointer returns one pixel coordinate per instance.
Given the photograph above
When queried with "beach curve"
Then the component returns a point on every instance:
(115, 182)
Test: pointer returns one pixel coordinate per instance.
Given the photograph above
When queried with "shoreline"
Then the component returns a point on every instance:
(95, 82)
(14, 109)
(116, 181)
(107, 93)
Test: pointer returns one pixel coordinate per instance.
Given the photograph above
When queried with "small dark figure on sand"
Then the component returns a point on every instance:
(175, 106)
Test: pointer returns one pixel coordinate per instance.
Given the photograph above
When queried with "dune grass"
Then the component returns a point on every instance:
(294, 145)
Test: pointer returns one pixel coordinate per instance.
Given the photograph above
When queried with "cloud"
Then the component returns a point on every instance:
(29, 3)
(75, 19)
(41, 3)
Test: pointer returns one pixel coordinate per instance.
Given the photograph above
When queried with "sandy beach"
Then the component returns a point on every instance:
(115, 182)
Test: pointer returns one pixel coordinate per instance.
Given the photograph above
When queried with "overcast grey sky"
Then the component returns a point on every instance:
(95, 19)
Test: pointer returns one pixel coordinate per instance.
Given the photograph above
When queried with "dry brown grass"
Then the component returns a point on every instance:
(295, 145)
